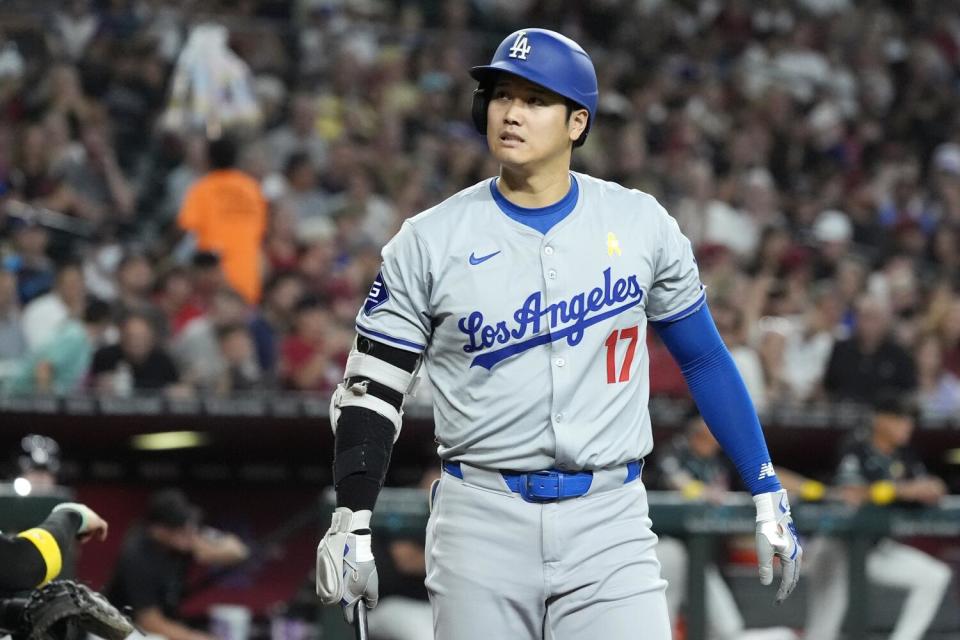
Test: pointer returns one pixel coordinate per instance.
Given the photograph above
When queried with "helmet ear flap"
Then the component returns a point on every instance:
(481, 100)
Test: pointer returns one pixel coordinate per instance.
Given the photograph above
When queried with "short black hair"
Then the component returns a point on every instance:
(896, 403)
(229, 329)
(296, 160)
(170, 508)
(96, 312)
(206, 260)
(222, 153)
(310, 303)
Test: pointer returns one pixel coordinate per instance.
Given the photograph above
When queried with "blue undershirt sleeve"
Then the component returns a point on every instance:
(720, 394)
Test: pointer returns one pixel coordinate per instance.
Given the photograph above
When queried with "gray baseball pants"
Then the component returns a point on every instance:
(582, 568)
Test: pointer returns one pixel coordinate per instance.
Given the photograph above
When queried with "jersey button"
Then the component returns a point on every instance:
(558, 417)
(548, 250)
(559, 362)
(552, 274)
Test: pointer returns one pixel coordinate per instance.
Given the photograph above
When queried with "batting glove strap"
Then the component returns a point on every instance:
(777, 536)
(346, 570)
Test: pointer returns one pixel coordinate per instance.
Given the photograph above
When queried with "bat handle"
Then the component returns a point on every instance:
(361, 621)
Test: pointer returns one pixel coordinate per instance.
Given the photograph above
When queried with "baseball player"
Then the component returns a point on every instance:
(880, 468)
(528, 297)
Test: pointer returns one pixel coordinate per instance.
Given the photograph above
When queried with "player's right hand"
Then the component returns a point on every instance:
(346, 570)
(92, 525)
(777, 536)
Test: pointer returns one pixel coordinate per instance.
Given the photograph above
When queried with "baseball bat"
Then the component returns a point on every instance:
(360, 621)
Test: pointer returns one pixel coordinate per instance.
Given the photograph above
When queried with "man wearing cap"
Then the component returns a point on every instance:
(882, 470)
(151, 573)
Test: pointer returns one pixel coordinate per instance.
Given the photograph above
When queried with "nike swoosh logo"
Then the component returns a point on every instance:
(475, 260)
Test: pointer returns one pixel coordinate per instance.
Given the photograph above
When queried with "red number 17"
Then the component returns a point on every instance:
(630, 333)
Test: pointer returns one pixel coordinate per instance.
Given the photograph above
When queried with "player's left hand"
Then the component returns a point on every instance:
(346, 570)
(777, 536)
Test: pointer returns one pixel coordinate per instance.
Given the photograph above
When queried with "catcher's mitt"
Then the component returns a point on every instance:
(65, 609)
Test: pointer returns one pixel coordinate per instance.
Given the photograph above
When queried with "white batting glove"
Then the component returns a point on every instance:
(346, 570)
(776, 536)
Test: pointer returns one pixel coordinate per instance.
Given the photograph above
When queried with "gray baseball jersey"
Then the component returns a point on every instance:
(535, 343)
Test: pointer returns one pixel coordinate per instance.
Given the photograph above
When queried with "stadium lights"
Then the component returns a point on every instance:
(164, 440)
(22, 487)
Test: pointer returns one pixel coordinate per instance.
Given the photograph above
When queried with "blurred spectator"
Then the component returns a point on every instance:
(102, 191)
(150, 575)
(38, 179)
(207, 278)
(809, 343)
(938, 389)
(307, 357)
(136, 363)
(297, 135)
(135, 282)
(869, 360)
(274, 321)
(174, 297)
(29, 260)
(241, 370)
(302, 196)
(362, 215)
(13, 343)
(880, 469)
(833, 233)
(197, 347)
(43, 316)
(60, 364)
(227, 214)
(285, 235)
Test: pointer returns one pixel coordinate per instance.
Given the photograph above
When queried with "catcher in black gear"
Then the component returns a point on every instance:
(60, 610)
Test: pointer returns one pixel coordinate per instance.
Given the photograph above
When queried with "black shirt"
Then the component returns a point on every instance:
(156, 371)
(394, 582)
(855, 375)
(678, 458)
(861, 464)
(148, 575)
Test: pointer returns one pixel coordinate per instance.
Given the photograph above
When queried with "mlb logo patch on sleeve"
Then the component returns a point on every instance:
(377, 296)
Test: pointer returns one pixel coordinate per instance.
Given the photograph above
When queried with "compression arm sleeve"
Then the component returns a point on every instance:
(721, 396)
(35, 556)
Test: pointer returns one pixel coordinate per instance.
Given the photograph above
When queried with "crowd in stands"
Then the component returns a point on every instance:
(810, 149)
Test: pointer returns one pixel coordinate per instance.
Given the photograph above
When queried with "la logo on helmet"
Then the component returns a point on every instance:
(520, 47)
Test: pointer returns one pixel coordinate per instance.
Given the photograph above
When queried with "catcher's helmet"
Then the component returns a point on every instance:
(543, 57)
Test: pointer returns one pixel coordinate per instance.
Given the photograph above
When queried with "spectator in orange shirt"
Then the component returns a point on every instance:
(227, 213)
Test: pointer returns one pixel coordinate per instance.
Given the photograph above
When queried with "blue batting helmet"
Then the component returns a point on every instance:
(543, 57)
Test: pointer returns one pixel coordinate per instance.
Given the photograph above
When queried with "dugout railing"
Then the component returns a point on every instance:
(404, 512)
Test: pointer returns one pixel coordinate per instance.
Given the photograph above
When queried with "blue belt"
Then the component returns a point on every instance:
(549, 485)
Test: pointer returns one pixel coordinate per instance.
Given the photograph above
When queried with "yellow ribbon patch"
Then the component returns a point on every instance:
(613, 245)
